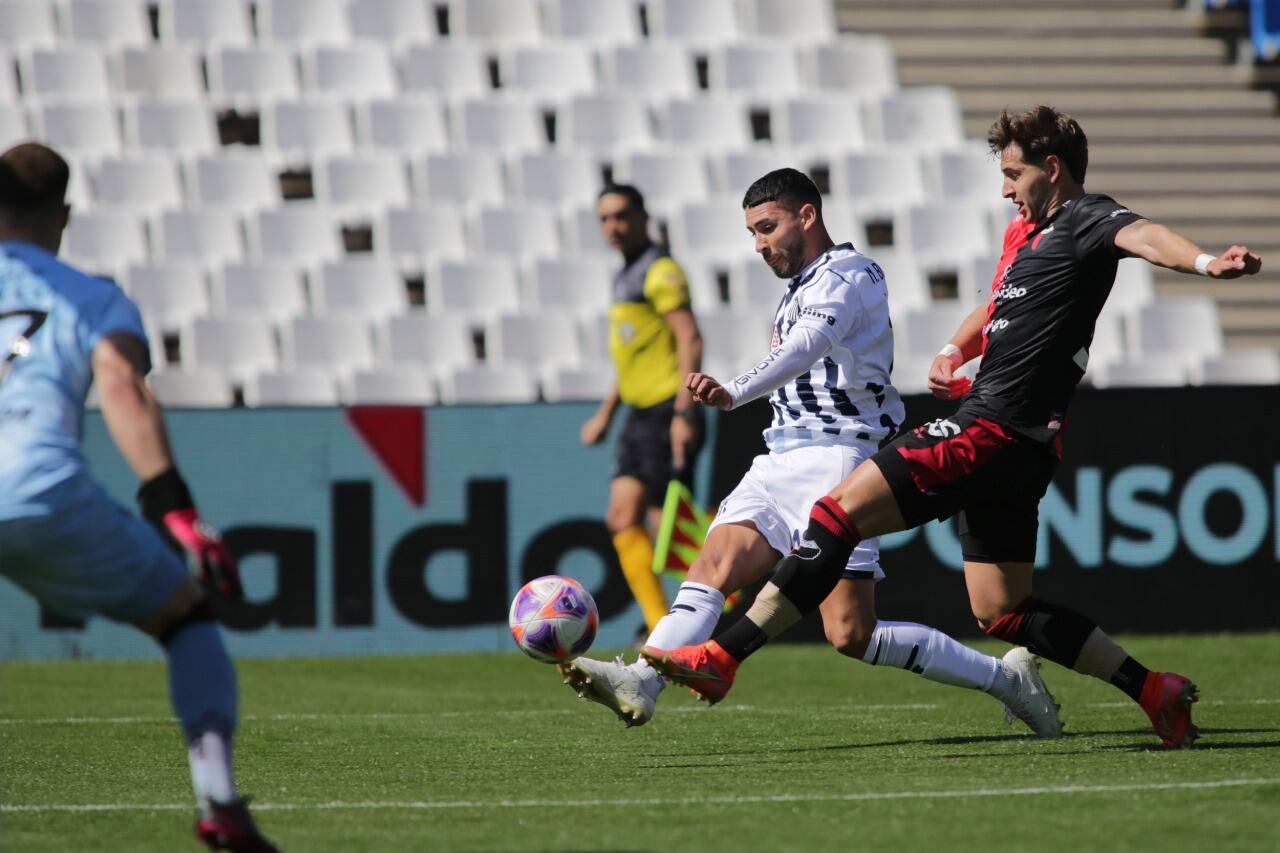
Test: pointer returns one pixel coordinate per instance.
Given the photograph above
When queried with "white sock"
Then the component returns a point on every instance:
(691, 620)
(931, 653)
(210, 757)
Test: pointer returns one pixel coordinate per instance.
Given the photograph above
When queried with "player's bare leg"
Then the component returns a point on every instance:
(202, 687)
(733, 556)
(1001, 599)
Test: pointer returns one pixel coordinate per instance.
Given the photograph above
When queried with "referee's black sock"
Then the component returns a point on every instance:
(804, 578)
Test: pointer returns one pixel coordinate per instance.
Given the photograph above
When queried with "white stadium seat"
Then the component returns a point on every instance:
(554, 177)
(105, 241)
(593, 334)
(336, 344)
(13, 124)
(712, 229)
(734, 340)
(501, 124)
(843, 224)
(581, 228)
(471, 291)
(571, 284)
(177, 127)
(829, 124)
(412, 126)
(471, 178)
(207, 23)
(1134, 287)
(943, 236)
(237, 345)
(704, 23)
(1151, 373)
(79, 131)
(1107, 346)
(482, 383)
(666, 178)
(585, 382)
(756, 71)
(653, 71)
(308, 387)
(108, 22)
(169, 294)
(237, 181)
(145, 183)
(549, 72)
(359, 287)
(516, 232)
(252, 75)
(1239, 367)
(919, 334)
(303, 22)
(533, 340)
(858, 66)
(414, 235)
(393, 21)
(712, 124)
(974, 278)
(197, 388)
(924, 117)
(969, 174)
(8, 77)
(1182, 329)
(446, 69)
(806, 21)
(401, 386)
(880, 181)
(270, 291)
(301, 129)
(904, 279)
(593, 22)
(753, 288)
(416, 339)
(504, 22)
(27, 24)
(299, 233)
(350, 71)
(363, 183)
(161, 73)
(735, 171)
(603, 123)
(79, 72)
(209, 236)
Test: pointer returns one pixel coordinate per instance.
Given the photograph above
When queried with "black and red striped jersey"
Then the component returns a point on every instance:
(1052, 282)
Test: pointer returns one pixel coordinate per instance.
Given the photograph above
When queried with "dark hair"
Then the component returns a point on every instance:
(790, 188)
(630, 193)
(1039, 132)
(32, 177)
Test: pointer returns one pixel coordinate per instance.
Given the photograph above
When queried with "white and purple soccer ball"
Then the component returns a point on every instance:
(553, 619)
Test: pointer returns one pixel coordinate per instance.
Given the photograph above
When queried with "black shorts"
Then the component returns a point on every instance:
(644, 450)
(985, 471)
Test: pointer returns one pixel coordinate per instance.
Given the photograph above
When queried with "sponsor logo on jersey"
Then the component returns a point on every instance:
(995, 326)
(942, 428)
(1008, 292)
(1116, 213)
(811, 312)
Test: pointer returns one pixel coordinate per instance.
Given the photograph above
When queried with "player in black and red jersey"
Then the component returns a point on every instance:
(992, 460)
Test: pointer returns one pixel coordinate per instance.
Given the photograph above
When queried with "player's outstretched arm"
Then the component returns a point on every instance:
(804, 346)
(965, 345)
(136, 424)
(1164, 247)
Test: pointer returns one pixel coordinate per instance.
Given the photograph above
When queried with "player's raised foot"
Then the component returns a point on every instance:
(1167, 698)
(706, 669)
(229, 826)
(1031, 700)
(615, 685)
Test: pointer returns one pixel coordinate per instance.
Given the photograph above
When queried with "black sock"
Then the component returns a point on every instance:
(1130, 677)
(1049, 630)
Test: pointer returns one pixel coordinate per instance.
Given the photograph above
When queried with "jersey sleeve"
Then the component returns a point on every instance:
(1097, 221)
(114, 313)
(665, 286)
(833, 304)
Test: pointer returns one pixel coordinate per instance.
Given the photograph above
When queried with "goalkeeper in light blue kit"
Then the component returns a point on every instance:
(61, 537)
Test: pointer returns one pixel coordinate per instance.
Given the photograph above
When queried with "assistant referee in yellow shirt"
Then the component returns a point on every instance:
(655, 343)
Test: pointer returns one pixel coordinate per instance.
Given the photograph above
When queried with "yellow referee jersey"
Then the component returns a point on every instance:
(640, 341)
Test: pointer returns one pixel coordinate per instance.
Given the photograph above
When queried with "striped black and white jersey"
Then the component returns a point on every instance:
(846, 394)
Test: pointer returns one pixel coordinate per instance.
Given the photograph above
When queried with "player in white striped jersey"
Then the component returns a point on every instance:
(828, 370)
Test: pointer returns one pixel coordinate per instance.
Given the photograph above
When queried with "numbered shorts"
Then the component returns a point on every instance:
(644, 450)
(80, 553)
(985, 471)
(780, 490)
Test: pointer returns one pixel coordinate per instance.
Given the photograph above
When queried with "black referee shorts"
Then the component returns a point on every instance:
(985, 471)
(644, 450)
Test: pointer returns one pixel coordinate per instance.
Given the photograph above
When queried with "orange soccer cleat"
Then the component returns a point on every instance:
(706, 669)
(1167, 699)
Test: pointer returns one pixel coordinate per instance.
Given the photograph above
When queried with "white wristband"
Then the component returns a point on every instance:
(952, 352)
(1202, 262)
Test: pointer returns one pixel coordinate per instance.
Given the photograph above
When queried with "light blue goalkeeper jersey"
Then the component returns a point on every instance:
(51, 317)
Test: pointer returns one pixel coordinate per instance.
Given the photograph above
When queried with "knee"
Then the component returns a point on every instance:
(851, 638)
(988, 613)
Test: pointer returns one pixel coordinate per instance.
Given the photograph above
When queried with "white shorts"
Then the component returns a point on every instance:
(779, 491)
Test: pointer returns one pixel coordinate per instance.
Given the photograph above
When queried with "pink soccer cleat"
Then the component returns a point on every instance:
(706, 669)
(229, 826)
(1167, 699)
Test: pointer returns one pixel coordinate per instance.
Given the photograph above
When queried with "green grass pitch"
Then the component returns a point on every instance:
(490, 752)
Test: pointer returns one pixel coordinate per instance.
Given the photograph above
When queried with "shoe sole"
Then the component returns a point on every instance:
(680, 674)
(586, 688)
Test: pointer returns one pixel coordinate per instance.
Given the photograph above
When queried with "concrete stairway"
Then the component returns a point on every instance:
(1177, 131)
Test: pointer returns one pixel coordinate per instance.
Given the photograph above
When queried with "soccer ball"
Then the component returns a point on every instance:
(553, 619)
